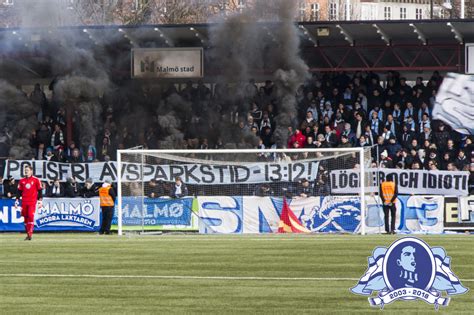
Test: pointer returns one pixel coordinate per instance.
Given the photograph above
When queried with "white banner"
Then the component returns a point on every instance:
(409, 181)
(197, 174)
(167, 62)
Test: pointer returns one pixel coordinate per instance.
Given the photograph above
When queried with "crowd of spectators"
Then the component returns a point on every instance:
(393, 116)
(332, 111)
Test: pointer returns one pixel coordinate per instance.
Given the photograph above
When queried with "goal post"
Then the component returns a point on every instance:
(166, 189)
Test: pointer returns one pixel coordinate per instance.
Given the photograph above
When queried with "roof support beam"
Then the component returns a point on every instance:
(456, 33)
(308, 34)
(383, 35)
(421, 37)
(346, 35)
(198, 34)
(168, 41)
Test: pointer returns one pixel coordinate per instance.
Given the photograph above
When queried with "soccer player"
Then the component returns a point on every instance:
(30, 191)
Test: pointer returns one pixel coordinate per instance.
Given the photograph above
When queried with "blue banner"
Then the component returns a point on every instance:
(415, 214)
(57, 214)
(155, 211)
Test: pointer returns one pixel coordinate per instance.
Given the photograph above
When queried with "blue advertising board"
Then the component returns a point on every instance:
(155, 211)
(57, 214)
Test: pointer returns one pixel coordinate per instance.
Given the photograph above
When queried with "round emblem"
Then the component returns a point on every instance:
(409, 263)
(28, 186)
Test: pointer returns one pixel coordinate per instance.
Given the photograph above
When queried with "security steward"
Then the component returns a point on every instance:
(388, 193)
(107, 197)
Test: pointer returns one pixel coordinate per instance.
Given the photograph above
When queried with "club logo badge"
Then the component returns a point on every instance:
(408, 270)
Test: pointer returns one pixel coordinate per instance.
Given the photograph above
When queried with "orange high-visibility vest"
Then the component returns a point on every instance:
(105, 198)
(388, 191)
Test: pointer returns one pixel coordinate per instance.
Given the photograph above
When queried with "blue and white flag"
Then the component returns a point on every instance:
(455, 102)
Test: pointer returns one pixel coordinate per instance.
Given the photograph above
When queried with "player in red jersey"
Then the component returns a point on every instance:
(30, 191)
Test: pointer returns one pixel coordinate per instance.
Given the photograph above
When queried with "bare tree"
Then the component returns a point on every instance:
(98, 12)
(8, 16)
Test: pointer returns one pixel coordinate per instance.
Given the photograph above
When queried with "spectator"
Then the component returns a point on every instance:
(309, 121)
(392, 126)
(344, 142)
(385, 160)
(403, 157)
(304, 190)
(266, 136)
(441, 137)
(375, 123)
(297, 137)
(426, 134)
(155, 189)
(91, 153)
(89, 190)
(76, 156)
(56, 189)
(9, 187)
(105, 149)
(349, 133)
(452, 167)
(445, 161)
(179, 189)
(413, 145)
(362, 142)
(461, 160)
(451, 149)
(321, 142)
(39, 98)
(359, 125)
(393, 147)
(57, 138)
(264, 190)
(330, 136)
(43, 134)
(49, 154)
(71, 189)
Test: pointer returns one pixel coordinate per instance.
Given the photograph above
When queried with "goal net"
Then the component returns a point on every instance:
(242, 191)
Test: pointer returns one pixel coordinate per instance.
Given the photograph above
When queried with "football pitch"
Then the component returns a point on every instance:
(211, 274)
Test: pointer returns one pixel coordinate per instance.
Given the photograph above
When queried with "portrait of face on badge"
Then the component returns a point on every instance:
(409, 263)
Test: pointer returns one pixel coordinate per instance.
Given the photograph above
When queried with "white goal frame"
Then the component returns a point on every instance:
(359, 150)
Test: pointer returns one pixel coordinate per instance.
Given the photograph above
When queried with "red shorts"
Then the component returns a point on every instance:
(28, 212)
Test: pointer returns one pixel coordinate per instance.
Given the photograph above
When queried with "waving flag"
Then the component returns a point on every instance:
(455, 102)
(289, 223)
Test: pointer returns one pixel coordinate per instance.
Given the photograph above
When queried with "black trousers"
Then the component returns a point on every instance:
(107, 215)
(389, 210)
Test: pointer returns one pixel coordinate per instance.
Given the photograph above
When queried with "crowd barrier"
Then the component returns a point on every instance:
(248, 214)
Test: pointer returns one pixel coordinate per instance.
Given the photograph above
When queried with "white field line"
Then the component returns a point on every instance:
(171, 277)
(167, 239)
(157, 238)
(176, 277)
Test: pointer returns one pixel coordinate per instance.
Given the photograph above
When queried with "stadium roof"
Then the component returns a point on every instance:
(408, 45)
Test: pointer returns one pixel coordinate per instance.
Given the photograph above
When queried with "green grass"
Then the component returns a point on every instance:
(268, 256)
